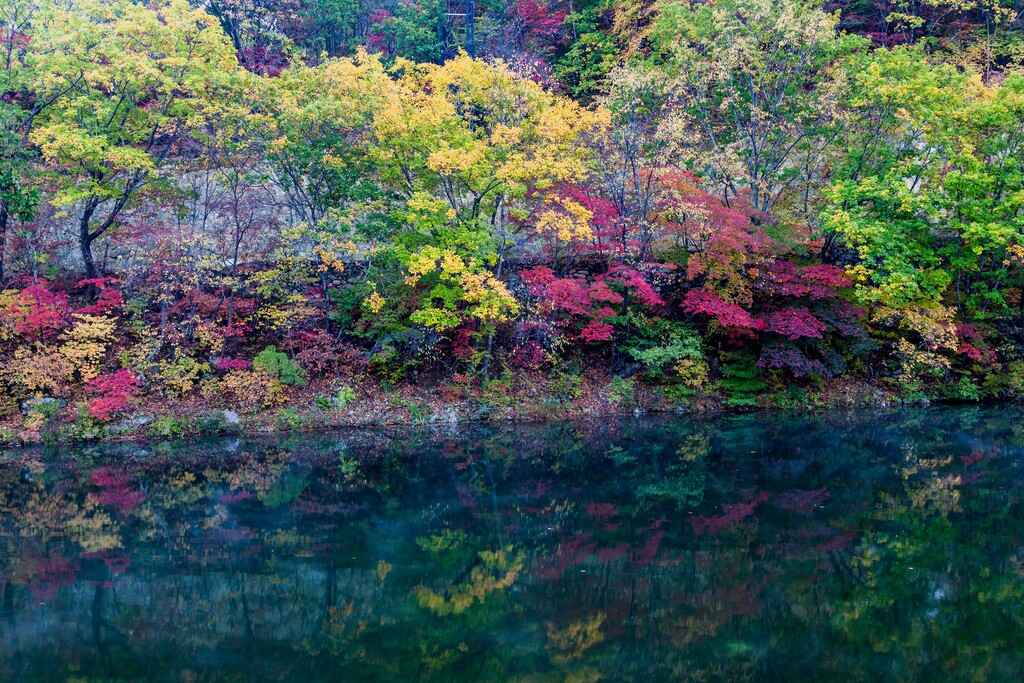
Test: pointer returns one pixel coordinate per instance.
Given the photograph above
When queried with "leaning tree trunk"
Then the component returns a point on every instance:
(85, 240)
(87, 235)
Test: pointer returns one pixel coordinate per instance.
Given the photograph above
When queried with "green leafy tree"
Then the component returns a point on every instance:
(132, 80)
(18, 195)
(472, 150)
(320, 151)
(592, 53)
(278, 365)
(759, 90)
(929, 196)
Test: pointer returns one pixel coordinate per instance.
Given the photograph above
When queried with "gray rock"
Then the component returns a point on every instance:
(130, 425)
(46, 405)
(231, 417)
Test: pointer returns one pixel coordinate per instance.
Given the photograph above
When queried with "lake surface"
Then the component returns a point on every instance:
(844, 547)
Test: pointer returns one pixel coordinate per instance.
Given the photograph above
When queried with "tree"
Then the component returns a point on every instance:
(411, 30)
(134, 79)
(930, 196)
(319, 148)
(18, 196)
(631, 162)
(586, 62)
(472, 149)
(333, 26)
(255, 28)
(757, 88)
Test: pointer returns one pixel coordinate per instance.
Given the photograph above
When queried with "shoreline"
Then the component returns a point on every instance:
(411, 405)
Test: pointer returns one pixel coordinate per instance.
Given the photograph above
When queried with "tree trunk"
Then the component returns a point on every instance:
(325, 286)
(3, 237)
(442, 17)
(471, 28)
(85, 240)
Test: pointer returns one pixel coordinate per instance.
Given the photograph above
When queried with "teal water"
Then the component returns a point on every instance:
(845, 547)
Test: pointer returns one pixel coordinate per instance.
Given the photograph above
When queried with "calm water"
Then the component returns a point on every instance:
(849, 547)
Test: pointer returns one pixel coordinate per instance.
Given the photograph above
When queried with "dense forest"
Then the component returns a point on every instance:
(298, 213)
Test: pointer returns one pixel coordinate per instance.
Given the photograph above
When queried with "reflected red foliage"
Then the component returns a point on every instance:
(733, 514)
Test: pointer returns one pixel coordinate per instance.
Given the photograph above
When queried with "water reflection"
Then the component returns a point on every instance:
(849, 547)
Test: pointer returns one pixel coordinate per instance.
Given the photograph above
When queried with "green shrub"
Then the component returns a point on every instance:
(278, 365)
(909, 390)
(497, 392)
(346, 395)
(620, 391)
(84, 428)
(167, 427)
(181, 375)
(741, 380)
(1016, 377)
(8, 404)
(418, 412)
(790, 397)
(45, 407)
(660, 344)
(565, 383)
(289, 418)
(387, 365)
(966, 390)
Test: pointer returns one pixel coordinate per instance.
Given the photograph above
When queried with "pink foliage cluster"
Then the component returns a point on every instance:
(787, 356)
(972, 344)
(262, 60)
(646, 553)
(801, 502)
(725, 238)
(597, 331)
(44, 575)
(794, 323)
(633, 281)
(784, 278)
(229, 364)
(601, 512)
(462, 342)
(113, 393)
(775, 300)
(108, 299)
(604, 211)
(542, 25)
(37, 311)
(20, 41)
(529, 355)
(613, 235)
(705, 302)
(568, 295)
(572, 550)
(969, 332)
(592, 302)
(378, 40)
(843, 317)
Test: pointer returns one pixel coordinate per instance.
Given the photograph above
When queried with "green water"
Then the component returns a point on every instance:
(846, 547)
